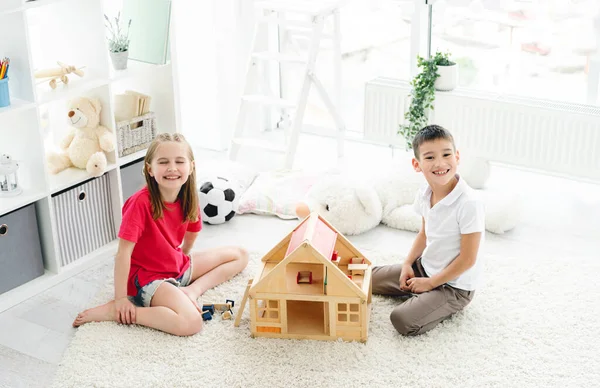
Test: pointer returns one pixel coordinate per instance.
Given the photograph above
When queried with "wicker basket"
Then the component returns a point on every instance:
(136, 134)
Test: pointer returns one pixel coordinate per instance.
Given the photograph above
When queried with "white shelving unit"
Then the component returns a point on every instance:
(41, 33)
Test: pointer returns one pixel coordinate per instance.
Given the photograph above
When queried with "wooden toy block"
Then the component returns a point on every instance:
(209, 307)
(218, 306)
(224, 308)
(303, 289)
(206, 315)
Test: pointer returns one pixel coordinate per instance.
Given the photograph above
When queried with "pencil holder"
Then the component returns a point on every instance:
(4, 94)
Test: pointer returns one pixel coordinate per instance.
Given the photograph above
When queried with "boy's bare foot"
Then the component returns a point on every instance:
(193, 297)
(105, 312)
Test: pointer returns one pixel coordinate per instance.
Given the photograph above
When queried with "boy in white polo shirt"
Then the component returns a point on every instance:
(442, 269)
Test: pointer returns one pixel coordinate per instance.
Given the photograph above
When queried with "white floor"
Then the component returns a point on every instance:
(561, 218)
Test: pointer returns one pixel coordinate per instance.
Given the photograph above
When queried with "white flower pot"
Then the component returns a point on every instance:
(448, 78)
(119, 60)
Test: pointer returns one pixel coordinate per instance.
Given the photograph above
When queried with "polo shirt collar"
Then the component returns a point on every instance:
(452, 196)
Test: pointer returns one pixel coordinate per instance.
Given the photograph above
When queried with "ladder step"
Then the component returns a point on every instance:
(258, 143)
(273, 19)
(306, 32)
(312, 8)
(266, 100)
(271, 56)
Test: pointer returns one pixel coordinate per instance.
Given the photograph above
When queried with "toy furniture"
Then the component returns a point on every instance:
(299, 292)
(59, 74)
(208, 310)
(304, 277)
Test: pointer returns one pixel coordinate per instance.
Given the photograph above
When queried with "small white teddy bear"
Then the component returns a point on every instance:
(85, 146)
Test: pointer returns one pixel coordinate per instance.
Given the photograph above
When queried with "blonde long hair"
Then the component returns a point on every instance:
(188, 195)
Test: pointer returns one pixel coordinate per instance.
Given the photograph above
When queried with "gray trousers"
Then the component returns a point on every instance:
(420, 312)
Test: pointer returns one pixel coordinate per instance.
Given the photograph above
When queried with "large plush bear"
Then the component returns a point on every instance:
(353, 205)
(85, 145)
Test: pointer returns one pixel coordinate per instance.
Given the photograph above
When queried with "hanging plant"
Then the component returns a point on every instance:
(422, 95)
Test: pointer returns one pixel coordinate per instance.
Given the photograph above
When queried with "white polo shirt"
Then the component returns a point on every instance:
(460, 212)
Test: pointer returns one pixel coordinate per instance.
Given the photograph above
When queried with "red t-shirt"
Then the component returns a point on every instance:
(157, 253)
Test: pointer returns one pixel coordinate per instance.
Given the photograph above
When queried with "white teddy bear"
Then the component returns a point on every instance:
(85, 145)
(353, 206)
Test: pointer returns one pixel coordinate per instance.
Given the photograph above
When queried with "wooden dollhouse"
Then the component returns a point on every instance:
(313, 285)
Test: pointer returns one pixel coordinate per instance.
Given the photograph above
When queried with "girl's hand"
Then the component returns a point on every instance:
(406, 273)
(125, 311)
(419, 285)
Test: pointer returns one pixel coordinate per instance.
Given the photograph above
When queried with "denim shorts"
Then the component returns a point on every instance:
(144, 294)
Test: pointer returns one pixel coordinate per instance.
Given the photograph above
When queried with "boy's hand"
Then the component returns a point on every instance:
(406, 273)
(419, 285)
(125, 311)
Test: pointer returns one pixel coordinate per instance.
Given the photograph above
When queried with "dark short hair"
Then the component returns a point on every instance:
(431, 133)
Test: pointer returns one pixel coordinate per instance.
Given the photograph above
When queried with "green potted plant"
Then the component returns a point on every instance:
(118, 42)
(447, 70)
(424, 86)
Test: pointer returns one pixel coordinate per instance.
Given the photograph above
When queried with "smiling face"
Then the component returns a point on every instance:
(170, 167)
(438, 161)
(84, 112)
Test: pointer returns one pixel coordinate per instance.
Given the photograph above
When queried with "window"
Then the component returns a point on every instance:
(375, 41)
(267, 310)
(348, 314)
(536, 48)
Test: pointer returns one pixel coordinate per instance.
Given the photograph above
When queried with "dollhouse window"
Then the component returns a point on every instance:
(348, 314)
(267, 310)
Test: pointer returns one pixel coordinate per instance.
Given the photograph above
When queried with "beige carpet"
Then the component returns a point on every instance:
(535, 324)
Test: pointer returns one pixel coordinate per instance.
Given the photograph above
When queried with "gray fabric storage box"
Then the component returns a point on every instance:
(132, 178)
(84, 218)
(20, 250)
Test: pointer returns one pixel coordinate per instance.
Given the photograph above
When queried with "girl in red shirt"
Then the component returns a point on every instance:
(157, 279)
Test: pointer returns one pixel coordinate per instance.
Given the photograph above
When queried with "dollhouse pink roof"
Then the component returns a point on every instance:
(323, 240)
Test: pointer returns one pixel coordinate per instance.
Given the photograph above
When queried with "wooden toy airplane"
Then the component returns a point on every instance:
(59, 74)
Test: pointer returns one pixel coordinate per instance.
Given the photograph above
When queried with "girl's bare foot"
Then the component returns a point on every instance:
(193, 297)
(105, 312)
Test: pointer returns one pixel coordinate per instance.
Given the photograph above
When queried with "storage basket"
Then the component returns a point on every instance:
(132, 178)
(20, 248)
(84, 218)
(136, 134)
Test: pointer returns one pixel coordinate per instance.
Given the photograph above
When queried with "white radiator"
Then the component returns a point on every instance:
(557, 138)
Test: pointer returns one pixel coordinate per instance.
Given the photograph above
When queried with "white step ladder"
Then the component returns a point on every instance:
(275, 11)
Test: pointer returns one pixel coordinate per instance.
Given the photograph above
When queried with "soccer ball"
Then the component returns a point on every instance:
(218, 200)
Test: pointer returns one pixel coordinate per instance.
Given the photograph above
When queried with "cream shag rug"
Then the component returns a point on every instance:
(535, 324)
